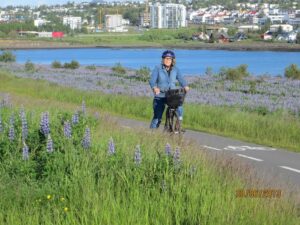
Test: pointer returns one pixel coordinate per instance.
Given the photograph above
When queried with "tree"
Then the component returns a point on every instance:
(292, 72)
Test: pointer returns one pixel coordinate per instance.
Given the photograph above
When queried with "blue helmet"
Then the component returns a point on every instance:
(168, 53)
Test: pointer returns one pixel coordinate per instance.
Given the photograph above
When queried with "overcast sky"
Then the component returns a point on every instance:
(37, 2)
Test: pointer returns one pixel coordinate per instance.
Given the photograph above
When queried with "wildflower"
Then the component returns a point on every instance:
(86, 142)
(12, 120)
(11, 133)
(176, 156)
(66, 209)
(62, 199)
(1, 128)
(44, 124)
(97, 115)
(49, 144)
(24, 124)
(137, 155)
(168, 150)
(25, 151)
(83, 107)
(49, 197)
(67, 129)
(111, 147)
(75, 118)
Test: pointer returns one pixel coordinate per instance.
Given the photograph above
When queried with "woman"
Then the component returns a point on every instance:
(163, 78)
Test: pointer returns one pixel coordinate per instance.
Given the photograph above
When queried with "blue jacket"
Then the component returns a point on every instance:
(161, 79)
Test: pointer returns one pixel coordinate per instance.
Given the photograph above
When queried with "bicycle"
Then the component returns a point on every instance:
(174, 99)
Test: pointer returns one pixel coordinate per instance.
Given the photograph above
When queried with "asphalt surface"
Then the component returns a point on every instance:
(278, 168)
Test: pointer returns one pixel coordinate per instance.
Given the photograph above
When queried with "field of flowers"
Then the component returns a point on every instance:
(277, 128)
(64, 167)
(261, 94)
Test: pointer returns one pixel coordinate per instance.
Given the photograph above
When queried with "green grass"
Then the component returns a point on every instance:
(77, 186)
(277, 129)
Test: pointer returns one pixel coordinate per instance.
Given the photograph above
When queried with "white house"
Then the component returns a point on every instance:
(246, 28)
(285, 27)
(72, 22)
(40, 22)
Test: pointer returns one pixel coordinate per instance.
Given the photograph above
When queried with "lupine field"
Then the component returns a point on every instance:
(263, 110)
(63, 166)
(262, 94)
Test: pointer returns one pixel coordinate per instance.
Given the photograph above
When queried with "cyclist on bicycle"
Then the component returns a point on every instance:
(163, 78)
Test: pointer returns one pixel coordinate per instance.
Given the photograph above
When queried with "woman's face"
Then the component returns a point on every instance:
(167, 61)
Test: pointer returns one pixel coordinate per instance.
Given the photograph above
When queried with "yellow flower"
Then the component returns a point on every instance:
(62, 199)
(66, 209)
(48, 197)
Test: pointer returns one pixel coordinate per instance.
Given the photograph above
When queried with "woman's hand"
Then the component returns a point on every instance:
(156, 90)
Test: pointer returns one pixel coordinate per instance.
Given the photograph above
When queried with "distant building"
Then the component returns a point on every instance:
(167, 15)
(40, 22)
(284, 27)
(72, 22)
(114, 23)
(247, 28)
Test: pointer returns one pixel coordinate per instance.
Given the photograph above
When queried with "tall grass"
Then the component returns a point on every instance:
(277, 130)
(72, 185)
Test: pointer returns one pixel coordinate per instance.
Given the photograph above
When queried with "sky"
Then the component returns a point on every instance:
(4, 3)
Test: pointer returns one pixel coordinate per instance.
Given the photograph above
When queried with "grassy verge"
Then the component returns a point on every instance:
(277, 130)
(76, 185)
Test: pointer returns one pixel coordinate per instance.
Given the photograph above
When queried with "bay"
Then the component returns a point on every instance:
(191, 62)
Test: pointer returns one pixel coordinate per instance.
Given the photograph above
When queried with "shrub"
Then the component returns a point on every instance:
(119, 69)
(29, 66)
(7, 56)
(72, 65)
(292, 72)
(237, 73)
(56, 65)
(143, 74)
(298, 38)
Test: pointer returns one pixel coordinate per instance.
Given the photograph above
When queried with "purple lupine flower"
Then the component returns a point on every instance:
(25, 151)
(176, 156)
(1, 128)
(75, 118)
(44, 124)
(24, 124)
(111, 147)
(49, 144)
(11, 133)
(97, 115)
(137, 155)
(67, 129)
(86, 142)
(83, 107)
(168, 149)
(12, 120)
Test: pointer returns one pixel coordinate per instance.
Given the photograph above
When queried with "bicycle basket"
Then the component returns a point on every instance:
(175, 97)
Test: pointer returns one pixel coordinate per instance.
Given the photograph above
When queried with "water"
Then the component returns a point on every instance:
(191, 62)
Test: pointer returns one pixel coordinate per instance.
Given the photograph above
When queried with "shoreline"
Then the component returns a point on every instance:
(31, 45)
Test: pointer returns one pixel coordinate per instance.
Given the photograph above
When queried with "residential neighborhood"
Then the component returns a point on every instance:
(271, 21)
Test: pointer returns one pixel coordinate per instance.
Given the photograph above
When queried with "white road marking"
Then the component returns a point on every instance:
(248, 157)
(260, 148)
(290, 168)
(212, 148)
(245, 147)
